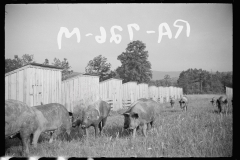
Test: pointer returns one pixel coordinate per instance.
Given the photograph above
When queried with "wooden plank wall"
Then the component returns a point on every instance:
(111, 91)
(164, 94)
(78, 92)
(142, 90)
(171, 94)
(167, 94)
(175, 92)
(130, 91)
(178, 93)
(153, 92)
(6, 87)
(33, 85)
(160, 94)
(229, 93)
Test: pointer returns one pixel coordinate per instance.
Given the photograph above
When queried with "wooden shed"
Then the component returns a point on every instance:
(153, 93)
(142, 90)
(171, 92)
(34, 84)
(229, 93)
(175, 92)
(160, 94)
(111, 91)
(181, 92)
(164, 94)
(167, 95)
(129, 91)
(79, 91)
(178, 93)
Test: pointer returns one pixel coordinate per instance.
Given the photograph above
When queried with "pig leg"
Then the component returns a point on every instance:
(151, 123)
(68, 134)
(85, 132)
(55, 134)
(36, 136)
(96, 130)
(185, 106)
(103, 124)
(25, 137)
(100, 126)
(144, 129)
(148, 126)
(51, 137)
(134, 132)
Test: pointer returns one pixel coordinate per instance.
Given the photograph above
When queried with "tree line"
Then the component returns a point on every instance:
(136, 67)
(198, 81)
(16, 62)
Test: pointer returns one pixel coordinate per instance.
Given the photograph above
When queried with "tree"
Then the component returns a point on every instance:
(167, 79)
(201, 81)
(135, 66)
(26, 59)
(100, 67)
(65, 65)
(152, 83)
(12, 64)
(46, 62)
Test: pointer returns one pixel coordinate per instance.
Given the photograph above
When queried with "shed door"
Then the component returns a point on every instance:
(36, 95)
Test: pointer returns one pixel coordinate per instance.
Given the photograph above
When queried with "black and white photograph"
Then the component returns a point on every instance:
(118, 80)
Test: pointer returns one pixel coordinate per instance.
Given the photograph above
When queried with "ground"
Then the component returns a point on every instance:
(199, 132)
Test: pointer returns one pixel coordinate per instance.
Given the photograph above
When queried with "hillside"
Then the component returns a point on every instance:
(157, 75)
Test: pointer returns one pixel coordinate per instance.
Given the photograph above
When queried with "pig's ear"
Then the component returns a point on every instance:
(126, 114)
(121, 112)
(134, 115)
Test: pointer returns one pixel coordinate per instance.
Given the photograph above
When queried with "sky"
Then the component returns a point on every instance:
(34, 29)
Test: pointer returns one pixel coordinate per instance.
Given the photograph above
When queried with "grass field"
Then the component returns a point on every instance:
(199, 132)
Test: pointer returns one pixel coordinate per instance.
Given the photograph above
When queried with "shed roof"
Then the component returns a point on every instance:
(79, 75)
(33, 64)
(112, 79)
(44, 65)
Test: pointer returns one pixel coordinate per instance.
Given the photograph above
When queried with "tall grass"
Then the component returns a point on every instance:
(199, 132)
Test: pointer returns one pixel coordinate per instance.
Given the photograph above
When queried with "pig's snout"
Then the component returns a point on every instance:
(125, 126)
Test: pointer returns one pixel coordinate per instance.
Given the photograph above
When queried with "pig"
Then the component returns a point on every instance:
(183, 103)
(141, 113)
(25, 120)
(94, 115)
(213, 101)
(77, 119)
(52, 117)
(20, 120)
(222, 102)
(172, 101)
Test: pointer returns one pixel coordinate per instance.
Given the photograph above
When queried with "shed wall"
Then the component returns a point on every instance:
(153, 92)
(111, 90)
(79, 92)
(142, 90)
(229, 93)
(130, 91)
(33, 85)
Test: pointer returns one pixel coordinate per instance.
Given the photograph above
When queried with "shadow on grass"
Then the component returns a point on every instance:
(76, 133)
(173, 110)
(10, 142)
(115, 131)
(223, 112)
(16, 140)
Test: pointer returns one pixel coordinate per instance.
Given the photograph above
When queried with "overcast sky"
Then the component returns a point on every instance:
(33, 29)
